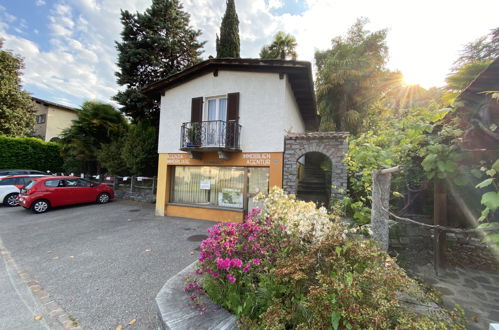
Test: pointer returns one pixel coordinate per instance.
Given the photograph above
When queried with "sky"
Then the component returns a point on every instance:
(69, 45)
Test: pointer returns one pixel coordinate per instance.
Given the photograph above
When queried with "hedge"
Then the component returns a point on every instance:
(29, 153)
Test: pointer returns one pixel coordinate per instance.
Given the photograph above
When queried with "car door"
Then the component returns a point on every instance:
(55, 192)
(88, 190)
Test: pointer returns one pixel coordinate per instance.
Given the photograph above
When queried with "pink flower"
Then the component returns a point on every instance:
(256, 261)
(231, 278)
(236, 263)
(223, 263)
(246, 268)
(215, 274)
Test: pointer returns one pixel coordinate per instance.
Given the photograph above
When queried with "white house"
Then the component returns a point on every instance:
(222, 128)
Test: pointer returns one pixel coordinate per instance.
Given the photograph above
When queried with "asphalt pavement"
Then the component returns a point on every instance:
(102, 264)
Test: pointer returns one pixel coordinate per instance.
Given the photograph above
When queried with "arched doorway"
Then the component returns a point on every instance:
(314, 178)
(333, 145)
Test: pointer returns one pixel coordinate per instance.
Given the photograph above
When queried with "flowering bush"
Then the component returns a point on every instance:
(301, 218)
(293, 267)
(233, 257)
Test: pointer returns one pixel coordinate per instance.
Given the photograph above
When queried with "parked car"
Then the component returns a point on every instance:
(4, 173)
(40, 194)
(10, 186)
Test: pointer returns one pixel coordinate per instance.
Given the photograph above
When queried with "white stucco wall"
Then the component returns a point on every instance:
(265, 109)
(293, 121)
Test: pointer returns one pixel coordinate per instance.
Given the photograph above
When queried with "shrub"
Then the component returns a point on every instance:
(294, 267)
(29, 153)
(300, 218)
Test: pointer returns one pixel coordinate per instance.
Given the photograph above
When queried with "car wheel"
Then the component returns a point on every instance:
(103, 198)
(40, 206)
(10, 200)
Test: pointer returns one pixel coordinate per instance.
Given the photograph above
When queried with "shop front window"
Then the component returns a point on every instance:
(218, 186)
(207, 185)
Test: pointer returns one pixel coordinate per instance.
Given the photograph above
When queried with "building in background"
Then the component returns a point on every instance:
(52, 118)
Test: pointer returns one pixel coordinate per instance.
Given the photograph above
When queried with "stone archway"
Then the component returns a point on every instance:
(332, 144)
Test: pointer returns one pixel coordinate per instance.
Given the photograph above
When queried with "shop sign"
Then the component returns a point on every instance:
(257, 159)
(178, 159)
(205, 185)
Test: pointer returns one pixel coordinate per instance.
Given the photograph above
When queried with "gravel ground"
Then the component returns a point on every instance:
(104, 264)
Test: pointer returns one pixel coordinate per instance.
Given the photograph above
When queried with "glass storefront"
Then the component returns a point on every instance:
(218, 186)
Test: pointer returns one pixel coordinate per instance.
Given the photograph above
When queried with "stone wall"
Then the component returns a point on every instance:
(332, 144)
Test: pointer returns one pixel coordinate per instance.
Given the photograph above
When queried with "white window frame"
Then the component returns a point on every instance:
(40, 119)
(217, 98)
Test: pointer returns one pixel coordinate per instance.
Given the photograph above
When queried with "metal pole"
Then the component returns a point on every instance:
(131, 184)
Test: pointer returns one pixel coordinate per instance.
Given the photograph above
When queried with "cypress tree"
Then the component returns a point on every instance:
(228, 44)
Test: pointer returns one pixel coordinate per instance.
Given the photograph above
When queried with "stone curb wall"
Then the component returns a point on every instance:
(175, 310)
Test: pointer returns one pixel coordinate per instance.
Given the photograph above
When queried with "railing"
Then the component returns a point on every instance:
(216, 134)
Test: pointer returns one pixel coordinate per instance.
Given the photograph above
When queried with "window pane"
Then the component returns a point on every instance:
(71, 182)
(7, 182)
(225, 186)
(212, 109)
(223, 109)
(258, 182)
(54, 183)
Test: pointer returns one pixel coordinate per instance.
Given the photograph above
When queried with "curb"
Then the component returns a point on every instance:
(54, 310)
(176, 313)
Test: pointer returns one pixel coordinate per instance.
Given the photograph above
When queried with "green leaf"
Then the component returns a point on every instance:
(460, 180)
(335, 320)
(485, 183)
(495, 166)
(476, 173)
(491, 172)
(491, 200)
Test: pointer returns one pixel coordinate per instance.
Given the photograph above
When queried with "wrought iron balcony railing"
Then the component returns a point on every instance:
(210, 135)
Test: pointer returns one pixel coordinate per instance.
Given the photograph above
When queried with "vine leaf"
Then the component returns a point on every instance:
(491, 200)
(485, 183)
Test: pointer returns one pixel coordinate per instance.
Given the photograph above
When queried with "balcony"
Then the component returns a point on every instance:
(210, 136)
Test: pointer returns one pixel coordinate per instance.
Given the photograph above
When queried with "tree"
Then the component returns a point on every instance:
(155, 44)
(17, 114)
(228, 43)
(474, 58)
(140, 152)
(350, 77)
(283, 46)
(97, 124)
(485, 48)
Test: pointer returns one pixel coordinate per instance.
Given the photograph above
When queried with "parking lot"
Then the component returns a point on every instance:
(103, 264)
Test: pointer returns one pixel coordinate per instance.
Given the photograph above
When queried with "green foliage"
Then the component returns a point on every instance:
(228, 43)
(483, 49)
(17, 114)
(29, 153)
(349, 77)
(111, 157)
(97, 124)
(140, 152)
(155, 44)
(490, 200)
(283, 45)
(391, 143)
(461, 78)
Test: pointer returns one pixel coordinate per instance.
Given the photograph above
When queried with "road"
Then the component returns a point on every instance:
(103, 264)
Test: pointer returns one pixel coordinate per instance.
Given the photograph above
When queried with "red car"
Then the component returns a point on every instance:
(43, 193)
